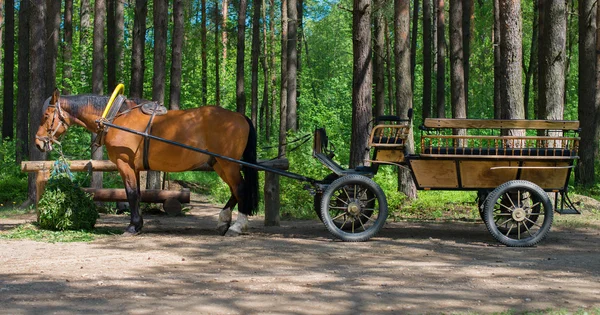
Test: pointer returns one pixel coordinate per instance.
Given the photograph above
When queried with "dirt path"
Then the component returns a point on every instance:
(179, 265)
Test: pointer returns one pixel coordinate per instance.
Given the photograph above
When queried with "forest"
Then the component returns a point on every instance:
(294, 65)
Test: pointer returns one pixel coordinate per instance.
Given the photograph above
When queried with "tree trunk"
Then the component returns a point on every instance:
(497, 62)
(413, 46)
(53, 33)
(85, 24)
(217, 61)
(533, 63)
(588, 105)
(553, 46)
(362, 81)
(224, 33)
(68, 48)
(176, 55)
(240, 93)
(273, 79)
(256, 5)
(160, 14)
(301, 40)
(265, 98)
(23, 97)
(284, 80)
(457, 72)
(292, 64)
(136, 88)
(511, 83)
(379, 59)
(390, 77)
(98, 75)
(37, 75)
(441, 60)
(468, 14)
(204, 79)
(8, 106)
(114, 45)
(427, 44)
(404, 95)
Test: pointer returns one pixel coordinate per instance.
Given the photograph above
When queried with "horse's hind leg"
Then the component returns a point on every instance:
(230, 173)
(225, 215)
(131, 180)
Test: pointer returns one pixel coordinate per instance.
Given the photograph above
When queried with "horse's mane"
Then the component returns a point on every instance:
(79, 103)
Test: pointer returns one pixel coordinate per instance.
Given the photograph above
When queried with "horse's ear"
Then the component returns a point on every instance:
(55, 96)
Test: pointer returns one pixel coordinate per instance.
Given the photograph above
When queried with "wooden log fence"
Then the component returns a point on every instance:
(171, 199)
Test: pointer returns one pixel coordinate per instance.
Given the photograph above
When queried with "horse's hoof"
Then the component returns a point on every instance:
(234, 230)
(132, 231)
(222, 229)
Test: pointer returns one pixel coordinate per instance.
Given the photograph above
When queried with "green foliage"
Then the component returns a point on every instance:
(33, 232)
(13, 182)
(64, 206)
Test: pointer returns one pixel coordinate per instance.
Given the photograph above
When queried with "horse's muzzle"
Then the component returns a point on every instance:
(43, 145)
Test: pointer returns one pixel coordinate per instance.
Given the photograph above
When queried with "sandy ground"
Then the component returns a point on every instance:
(179, 265)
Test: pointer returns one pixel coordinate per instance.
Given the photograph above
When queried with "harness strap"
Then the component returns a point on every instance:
(147, 139)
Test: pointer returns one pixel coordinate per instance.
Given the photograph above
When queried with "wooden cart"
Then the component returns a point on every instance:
(512, 164)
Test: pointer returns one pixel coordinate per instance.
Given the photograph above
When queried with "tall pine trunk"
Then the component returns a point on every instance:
(292, 64)
(588, 108)
(68, 48)
(240, 93)
(204, 79)
(217, 61)
(413, 40)
(362, 81)
(553, 46)
(404, 96)
(441, 60)
(53, 33)
(23, 97)
(427, 68)
(256, 5)
(457, 71)
(136, 88)
(379, 59)
(98, 75)
(284, 80)
(176, 55)
(85, 25)
(9, 71)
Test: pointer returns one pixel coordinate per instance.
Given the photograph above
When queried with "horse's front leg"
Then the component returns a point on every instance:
(225, 216)
(131, 179)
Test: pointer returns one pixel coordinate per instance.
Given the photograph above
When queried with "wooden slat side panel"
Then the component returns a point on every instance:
(435, 173)
(479, 174)
(500, 124)
(549, 175)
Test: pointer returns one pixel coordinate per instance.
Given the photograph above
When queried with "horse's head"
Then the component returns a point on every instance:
(53, 124)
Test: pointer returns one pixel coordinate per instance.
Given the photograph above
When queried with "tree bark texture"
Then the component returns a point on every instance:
(379, 58)
(114, 47)
(403, 85)
(136, 88)
(553, 46)
(588, 108)
(292, 64)
(98, 74)
(497, 62)
(8, 74)
(427, 68)
(284, 80)
(265, 125)
(68, 48)
(98, 53)
(23, 97)
(511, 83)
(160, 14)
(389, 63)
(413, 40)
(37, 75)
(533, 61)
(176, 55)
(457, 71)
(204, 80)
(224, 31)
(300, 6)
(217, 61)
(53, 33)
(85, 26)
(441, 60)
(467, 19)
(362, 81)
(256, 5)
(273, 78)
(240, 93)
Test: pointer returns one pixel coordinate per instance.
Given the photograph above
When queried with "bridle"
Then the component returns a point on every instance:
(58, 114)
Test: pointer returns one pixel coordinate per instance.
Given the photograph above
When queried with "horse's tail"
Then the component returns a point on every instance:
(250, 194)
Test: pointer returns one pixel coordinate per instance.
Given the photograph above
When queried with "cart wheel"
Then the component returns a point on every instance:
(518, 213)
(354, 208)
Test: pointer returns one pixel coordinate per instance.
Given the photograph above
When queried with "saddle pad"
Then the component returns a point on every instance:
(148, 108)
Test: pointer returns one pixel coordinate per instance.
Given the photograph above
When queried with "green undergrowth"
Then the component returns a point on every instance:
(32, 231)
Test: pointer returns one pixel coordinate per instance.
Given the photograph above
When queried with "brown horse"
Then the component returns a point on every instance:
(210, 128)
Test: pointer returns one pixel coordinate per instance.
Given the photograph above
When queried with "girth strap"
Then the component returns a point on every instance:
(147, 139)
